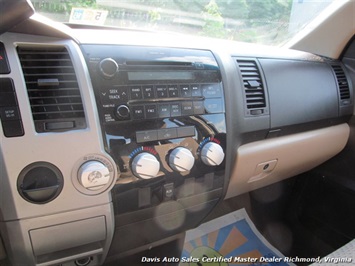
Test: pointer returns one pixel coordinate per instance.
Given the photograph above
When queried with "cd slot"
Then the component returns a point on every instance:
(158, 63)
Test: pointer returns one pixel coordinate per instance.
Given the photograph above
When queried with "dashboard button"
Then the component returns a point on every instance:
(185, 91)
(213, 106)
(199, 108)
(117, 94)
(138, 112)
(12, 128)
(187, 108)
(8, 99)
(211, 90)
(9, 113)
(136, 93)
(173, 91)
(186, 131)
(162, 91)
(145, 136)
(175, 109)
(151, 111)
(195, 90)
(168, 133)
(148, 92)
(164, 110)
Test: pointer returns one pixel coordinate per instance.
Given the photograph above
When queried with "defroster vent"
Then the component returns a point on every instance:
(52, 88)
(343, 85)
(253, 87)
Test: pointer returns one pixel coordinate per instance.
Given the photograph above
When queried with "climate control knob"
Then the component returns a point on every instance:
(212, 154)
(93, 175)
(181, 159)
(108, 68)
(145, 165)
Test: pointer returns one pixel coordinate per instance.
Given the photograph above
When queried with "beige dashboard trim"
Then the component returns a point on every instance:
(262, 163)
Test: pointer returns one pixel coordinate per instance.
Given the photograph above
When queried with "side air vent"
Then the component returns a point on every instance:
(253, 87)
(52, 88)
(343, 84)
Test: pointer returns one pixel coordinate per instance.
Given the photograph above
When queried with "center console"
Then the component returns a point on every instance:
(162, 115)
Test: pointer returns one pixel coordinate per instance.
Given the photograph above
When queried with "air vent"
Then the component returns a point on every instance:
(52, 88)
(253, 86)
(343, 85)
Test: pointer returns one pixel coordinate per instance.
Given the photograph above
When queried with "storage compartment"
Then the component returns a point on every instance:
(48, 242)
(262, 163)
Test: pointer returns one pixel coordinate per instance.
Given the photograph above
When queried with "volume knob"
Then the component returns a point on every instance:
(108, 68)
(212, 154)
(181, 159)
(145, 165)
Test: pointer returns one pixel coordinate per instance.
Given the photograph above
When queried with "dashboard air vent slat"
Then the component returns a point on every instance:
(253, 86)
(343, 85)
(52, 87)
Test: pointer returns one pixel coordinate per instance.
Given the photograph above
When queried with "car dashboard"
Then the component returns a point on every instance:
(114, 141)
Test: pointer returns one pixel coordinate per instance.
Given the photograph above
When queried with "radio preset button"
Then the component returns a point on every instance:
(162, 91)
(136, 93)
(148, 92)
(138, 112)
(185, 91)
(195, 90)
(173, 91)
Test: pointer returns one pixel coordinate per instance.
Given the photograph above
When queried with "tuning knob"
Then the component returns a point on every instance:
(145, 165)
(108, 68)
(93, 175)
(212, 154)
(122, 112)
(181, 159)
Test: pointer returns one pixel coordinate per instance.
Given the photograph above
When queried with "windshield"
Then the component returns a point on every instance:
(271, 22)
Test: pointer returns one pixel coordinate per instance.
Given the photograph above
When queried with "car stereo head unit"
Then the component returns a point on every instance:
(162, 115)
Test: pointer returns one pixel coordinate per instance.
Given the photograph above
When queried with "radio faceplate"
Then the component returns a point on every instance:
(162, 115)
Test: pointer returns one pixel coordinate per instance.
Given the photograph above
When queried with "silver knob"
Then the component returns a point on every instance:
(108, 68)
(93, 175)
(122, 111)
(181, 159)
(212, 154)
(145, 165)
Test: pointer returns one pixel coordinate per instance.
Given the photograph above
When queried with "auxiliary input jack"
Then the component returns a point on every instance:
(83, 261)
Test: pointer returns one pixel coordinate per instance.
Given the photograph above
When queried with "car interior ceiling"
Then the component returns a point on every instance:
(133, 126)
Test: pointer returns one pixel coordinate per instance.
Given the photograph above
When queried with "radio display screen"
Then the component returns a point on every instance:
(163, 75)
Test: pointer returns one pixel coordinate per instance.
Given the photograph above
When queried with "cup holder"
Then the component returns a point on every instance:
(40, 182)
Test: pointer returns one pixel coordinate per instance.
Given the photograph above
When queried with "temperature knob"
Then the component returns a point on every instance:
(145, 165)
(212, 154)
(93, 175)
(181, 159)
(108, 68)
